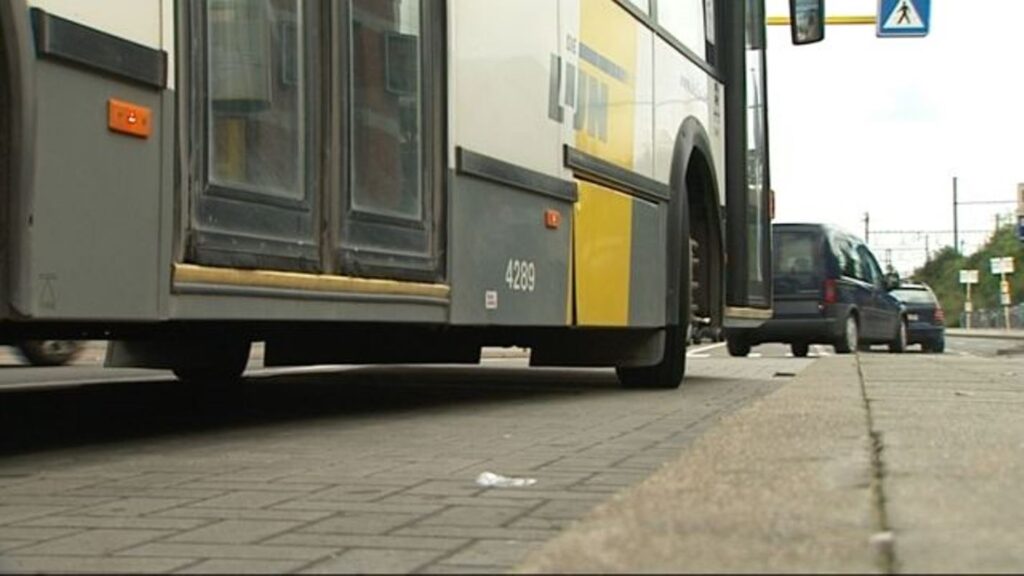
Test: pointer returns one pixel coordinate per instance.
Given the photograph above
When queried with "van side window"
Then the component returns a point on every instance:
(851, 265)
(872, 272)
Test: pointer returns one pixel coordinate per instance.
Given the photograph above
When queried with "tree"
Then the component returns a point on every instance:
(942, 273)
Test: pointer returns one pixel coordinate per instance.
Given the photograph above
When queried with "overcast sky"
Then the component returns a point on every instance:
(882, 125)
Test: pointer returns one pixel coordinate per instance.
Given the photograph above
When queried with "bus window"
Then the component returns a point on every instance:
(254, 110)
(386, 108)
(256, 97)
(684, 19)
(643, 5)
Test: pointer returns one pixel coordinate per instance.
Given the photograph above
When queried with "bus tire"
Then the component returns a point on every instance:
(49, 352)
(221, 372)
(665, 375)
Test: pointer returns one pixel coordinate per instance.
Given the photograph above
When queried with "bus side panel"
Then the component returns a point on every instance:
(649, 264)
(93, 219)
(682, 90)
(502, 71)
(508, 266)
(603, 254)
(620, 256)
(612, 97)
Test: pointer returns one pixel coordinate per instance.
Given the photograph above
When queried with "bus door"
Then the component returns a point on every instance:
(748, 220)
(392, 169)
(315, 136)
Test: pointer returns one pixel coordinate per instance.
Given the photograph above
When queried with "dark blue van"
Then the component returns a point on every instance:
(829, 289)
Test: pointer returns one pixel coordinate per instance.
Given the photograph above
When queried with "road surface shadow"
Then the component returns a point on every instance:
(38, 420)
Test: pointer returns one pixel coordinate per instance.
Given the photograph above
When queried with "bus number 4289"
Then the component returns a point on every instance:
(521, 276)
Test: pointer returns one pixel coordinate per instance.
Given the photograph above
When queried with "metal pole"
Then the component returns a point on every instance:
(956, 232)
(969, 307)
(1006, 307)
(867, 228)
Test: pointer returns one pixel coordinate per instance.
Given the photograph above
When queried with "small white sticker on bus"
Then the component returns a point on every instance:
(491, 299)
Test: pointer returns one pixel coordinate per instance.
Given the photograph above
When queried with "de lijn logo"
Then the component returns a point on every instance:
(903, 17)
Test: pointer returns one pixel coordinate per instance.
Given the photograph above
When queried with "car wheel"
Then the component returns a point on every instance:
(850, 337)
(800, 350)
(899, 342)
(737, 346)
(50, 352)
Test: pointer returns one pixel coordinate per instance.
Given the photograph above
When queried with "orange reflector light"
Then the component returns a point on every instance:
(552, 219)
(131, 119)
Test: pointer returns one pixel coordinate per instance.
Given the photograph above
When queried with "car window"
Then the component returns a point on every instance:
(913, 295)
(796, 253)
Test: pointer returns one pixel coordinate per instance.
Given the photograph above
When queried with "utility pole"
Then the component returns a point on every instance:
(867, 228)
(956, 232)
(927, 248)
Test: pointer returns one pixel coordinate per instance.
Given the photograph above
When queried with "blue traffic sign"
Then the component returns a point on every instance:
(1020, 227)
(903, 17)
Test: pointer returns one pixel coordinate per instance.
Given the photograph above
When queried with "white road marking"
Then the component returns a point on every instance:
(754, 355)
(701, 352)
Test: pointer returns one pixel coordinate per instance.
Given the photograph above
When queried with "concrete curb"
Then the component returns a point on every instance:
(784, 485)
(989, 334)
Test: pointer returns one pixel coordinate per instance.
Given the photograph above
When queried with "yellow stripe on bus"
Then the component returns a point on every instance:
(192, 274)
(603, 223)
(607, 82)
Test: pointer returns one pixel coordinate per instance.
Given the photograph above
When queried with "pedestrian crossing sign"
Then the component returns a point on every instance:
(903, 17)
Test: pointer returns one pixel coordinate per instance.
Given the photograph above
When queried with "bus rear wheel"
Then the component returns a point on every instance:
(665, 375)
(49, 352)
(222, 371)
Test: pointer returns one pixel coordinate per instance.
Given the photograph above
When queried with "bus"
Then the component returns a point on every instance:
(385, 181)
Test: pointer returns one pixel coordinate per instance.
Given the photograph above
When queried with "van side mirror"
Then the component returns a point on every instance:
(807, 21)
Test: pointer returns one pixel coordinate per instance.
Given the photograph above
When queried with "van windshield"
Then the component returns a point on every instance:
(798, 263)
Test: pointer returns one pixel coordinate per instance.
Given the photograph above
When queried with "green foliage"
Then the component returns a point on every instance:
(942, 273)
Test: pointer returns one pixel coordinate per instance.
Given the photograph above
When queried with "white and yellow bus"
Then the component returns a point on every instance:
(382, 181)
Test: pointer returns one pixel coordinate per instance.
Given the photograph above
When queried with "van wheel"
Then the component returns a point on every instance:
(737, 346)
(899, 342)
(937, 346)
(851, 336)
(800, 350)
(49, 352)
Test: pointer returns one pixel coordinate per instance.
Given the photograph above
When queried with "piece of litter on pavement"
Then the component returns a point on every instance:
(492, 480)
(962, 393)
(882, 540)
(784, 375)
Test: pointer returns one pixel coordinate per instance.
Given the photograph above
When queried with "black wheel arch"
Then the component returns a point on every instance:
(692, 144)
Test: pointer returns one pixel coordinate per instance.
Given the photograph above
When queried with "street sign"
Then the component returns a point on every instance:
(968, 276)
(898, 18)
(1001, 265)
(1004, 299)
